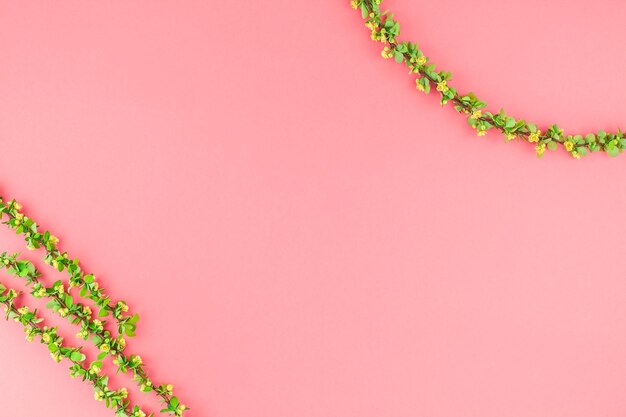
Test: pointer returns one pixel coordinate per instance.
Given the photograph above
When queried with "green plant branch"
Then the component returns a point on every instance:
(76, 313)
(115, 399)
(386, 30)
(86, 283)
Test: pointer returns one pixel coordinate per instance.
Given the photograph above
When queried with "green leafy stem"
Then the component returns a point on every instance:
(90, 289)
(64, 304)
(115, 399)
(386, 30)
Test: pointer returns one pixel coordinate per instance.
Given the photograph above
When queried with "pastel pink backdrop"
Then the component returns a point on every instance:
(303, 233)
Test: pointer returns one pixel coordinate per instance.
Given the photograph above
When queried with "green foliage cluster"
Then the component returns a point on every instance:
(386, 30)
(65, 305)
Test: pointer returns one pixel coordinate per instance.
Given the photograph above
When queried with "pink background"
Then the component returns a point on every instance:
(303, 233)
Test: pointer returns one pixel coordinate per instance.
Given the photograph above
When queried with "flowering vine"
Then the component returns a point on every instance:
(386, 30)
(64, 304)
(115, 399)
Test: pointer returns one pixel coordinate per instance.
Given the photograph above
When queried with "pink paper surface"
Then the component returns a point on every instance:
(304, 234)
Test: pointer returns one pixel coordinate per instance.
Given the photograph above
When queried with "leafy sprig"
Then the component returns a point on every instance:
(386, 30)
(114, 399)
(86, 283)
(62, 303)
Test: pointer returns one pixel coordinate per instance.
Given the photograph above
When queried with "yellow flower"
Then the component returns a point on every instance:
(139, 413)
(169, 388)
(94, 369)
(576, 155)
(568, 145)
(534, 136)
(418, 85)
(63, 312)
(98, 395)
(540, 149)
(137, 360)
(122, 305)
(56, 356)
(87, 310)
(421, 60)
(481, 132)
(510, 136)
(17, 205)
(46, 338)
(386, 52)
(53, 239)
(23, 310)
(477, 114)
(442, 86)
(124, 392)
(354, 4)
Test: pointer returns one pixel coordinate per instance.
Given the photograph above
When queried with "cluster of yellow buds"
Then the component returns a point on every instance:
(56, 356)
(86, 310)
(98, 395)
(63, 312)
(59, 288)
(442, 86)
(94, 369)
(419, 85)
(98, 325)
(139, 413)
(136, 360)
(540, 149)
(576, 155)
(122, 305)
(123, 392)
(82, 334)
(354, 4)
(476, 114)
(569, 146)
(534, 136)
(386, 53)
(39, 292)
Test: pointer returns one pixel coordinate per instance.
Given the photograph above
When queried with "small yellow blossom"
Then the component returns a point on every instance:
(137, 360)
(124, 392)
(510, 136)
(94, 369)
(99, 395)
(419, 85)
(17, 205)
(386, 52)
(540, 149)
(421, 60)
(169, 388)
(354, 4)
(23, 310)
(56, 356)
(53, 239)
(122, 305)
(476, 114)
(569, 146)
(45, 337)
(139, 413)
(576, 155)
(63, 312)
(442, 86)
(481, 132)
(534, 136)
(87, 310)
